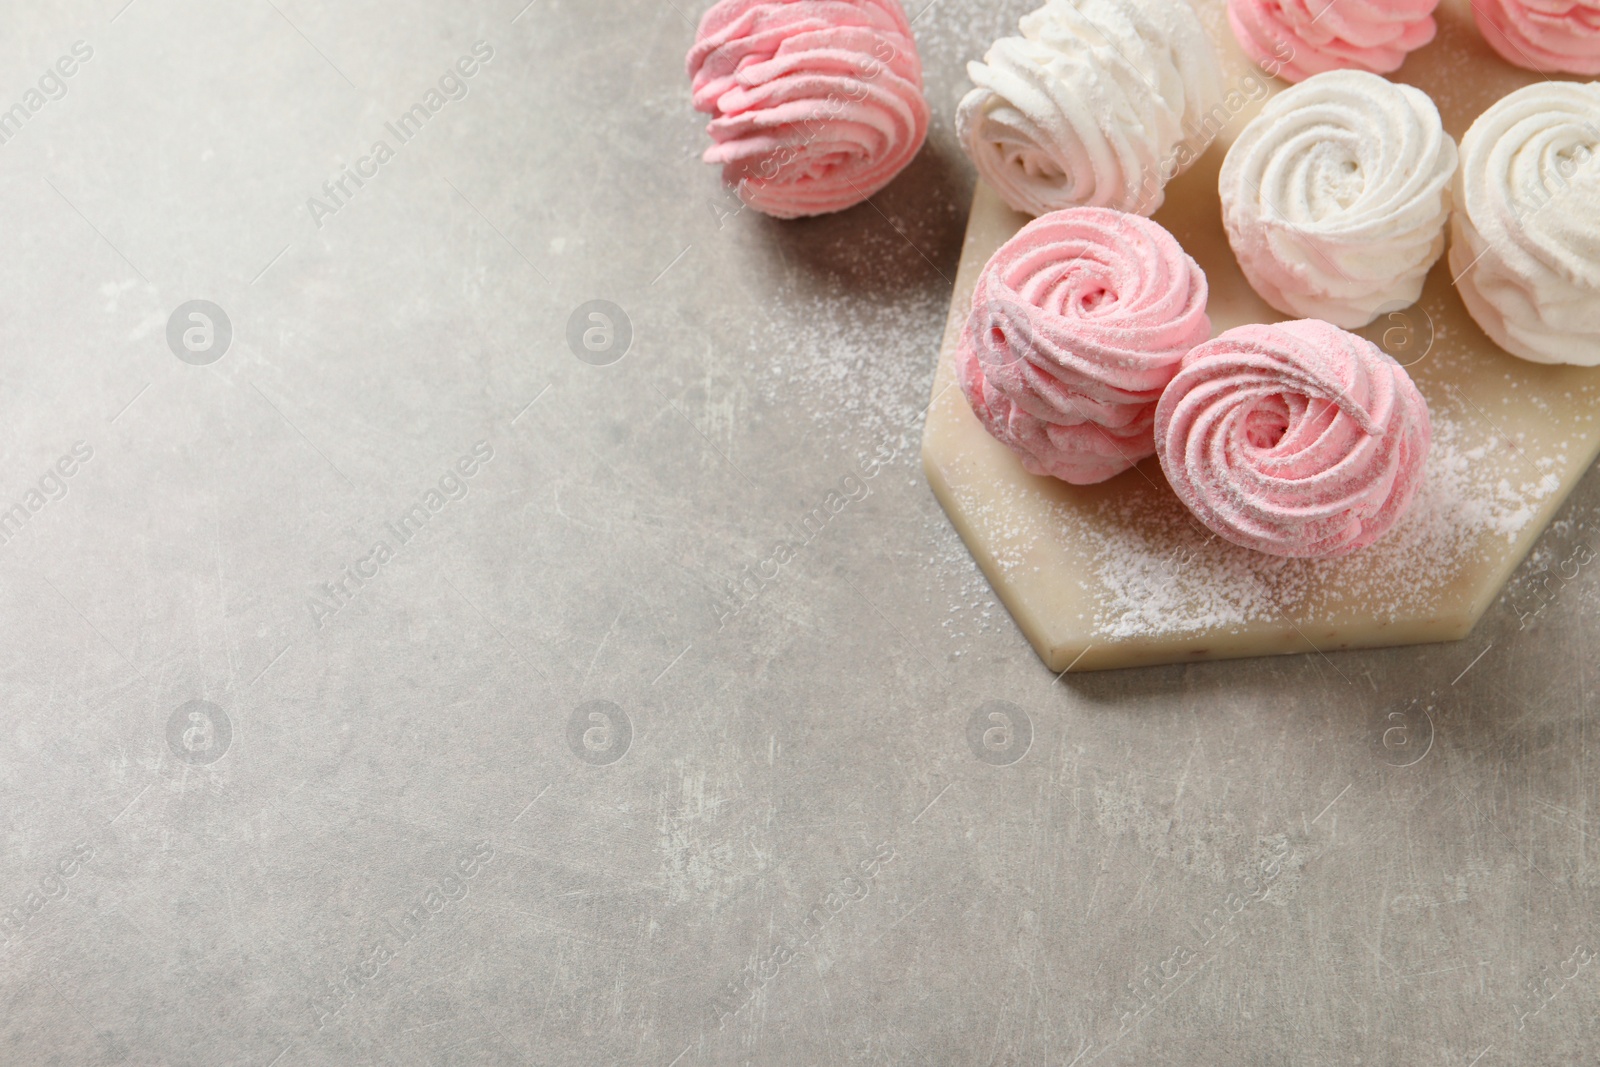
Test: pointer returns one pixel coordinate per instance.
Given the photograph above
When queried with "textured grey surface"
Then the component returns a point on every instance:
(773, 835)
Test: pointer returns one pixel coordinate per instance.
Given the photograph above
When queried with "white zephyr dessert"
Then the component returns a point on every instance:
(1335, 197)
(1525, 243)
(1099, 103)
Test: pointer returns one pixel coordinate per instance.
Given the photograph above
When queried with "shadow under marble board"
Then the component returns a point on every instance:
(1120, 575)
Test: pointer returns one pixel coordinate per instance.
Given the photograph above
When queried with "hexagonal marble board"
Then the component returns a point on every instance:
(1119, 575)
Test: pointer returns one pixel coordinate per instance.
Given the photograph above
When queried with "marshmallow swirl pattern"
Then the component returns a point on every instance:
(815, 104)
(1099, 103)
(1545, 35)
(1077, 324)
(1295, 39)
(1296, 440)
(1335, 197)
(1525, 237)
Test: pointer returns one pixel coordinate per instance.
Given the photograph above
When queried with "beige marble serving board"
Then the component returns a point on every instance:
(1118, 574)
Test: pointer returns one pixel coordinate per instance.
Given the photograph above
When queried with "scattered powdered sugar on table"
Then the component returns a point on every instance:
(857, 368)
(1157, 571)
(954, 578)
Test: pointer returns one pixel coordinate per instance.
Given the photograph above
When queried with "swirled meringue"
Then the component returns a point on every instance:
(1078, 322)
(1335, 197)
(815, 104)
(1525, 238)
(1294, 39)
(1296, 440)
(1549, 36)
(1098, 103)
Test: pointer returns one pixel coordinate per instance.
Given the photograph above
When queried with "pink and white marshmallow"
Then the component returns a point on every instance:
(1335, 197)
(1099, 103)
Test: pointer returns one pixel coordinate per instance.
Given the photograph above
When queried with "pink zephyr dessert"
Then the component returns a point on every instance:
(1078, 322)
(1297, 439)
(1294, 39)
(815, 104)
(1549, 36)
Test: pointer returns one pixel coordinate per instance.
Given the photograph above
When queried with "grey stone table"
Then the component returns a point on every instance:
(377, 691)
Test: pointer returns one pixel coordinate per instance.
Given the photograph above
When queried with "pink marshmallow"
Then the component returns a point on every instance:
(1296, 440)
(1294, 39)
(815, 104)
(1078, 322)
(1549, 36)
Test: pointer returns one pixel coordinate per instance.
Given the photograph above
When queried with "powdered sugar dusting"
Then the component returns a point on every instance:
(831, 357)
